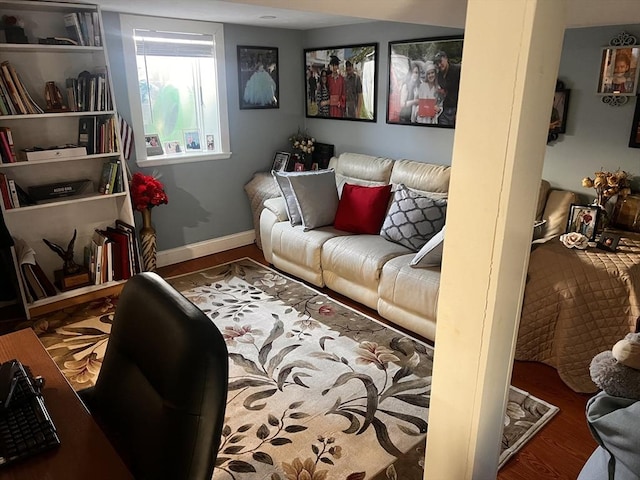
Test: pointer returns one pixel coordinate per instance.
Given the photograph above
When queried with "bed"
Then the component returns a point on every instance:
(578, 303)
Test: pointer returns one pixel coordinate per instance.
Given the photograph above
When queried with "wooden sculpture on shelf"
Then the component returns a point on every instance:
(72, 275)
(53, 97)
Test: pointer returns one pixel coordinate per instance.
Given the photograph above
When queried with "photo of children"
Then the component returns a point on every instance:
(619, 71)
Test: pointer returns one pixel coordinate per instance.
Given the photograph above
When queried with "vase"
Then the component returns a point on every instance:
(148, 240)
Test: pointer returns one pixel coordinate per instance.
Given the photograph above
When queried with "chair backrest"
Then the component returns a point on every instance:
(161, 393)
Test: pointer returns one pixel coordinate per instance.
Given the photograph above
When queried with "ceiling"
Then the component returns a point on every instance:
(308, 14)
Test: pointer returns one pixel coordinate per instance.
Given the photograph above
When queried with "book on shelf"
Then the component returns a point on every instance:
(97, 37)
(6, 146)
(134, 248)
(122, 261)
(108, 178)
(54, 191)
(6, 97)
(13, 193)
(53, 153)
(87, 133)
(35, 282)
(17, 92)
(4, 191)
(72, 25)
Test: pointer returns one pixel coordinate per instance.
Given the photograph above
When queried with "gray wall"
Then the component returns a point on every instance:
(207, 200)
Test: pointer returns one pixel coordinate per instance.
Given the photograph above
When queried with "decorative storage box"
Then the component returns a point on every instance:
(626, 214)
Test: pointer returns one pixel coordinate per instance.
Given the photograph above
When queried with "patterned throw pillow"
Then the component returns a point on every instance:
(413, 218)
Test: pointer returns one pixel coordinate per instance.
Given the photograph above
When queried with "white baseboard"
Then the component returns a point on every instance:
(208, 247)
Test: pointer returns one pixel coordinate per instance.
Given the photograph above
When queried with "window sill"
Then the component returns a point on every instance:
(175, 158)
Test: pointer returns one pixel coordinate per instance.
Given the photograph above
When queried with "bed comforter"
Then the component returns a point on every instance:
(578, 303)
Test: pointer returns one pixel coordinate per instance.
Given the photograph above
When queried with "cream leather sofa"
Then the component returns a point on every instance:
(368, 268)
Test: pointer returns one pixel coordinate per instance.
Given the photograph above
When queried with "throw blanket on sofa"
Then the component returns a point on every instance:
(578, 303)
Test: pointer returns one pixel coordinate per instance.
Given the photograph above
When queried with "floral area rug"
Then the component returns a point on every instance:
(317, 390)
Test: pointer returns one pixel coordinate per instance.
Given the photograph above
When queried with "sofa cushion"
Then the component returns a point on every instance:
(287, 192)
(422, 177)
(359, 169)
(316, 195)
(430, 255)
(362, 209)
(413, 218)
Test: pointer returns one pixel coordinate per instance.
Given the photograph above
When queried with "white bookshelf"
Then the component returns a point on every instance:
(56, 220)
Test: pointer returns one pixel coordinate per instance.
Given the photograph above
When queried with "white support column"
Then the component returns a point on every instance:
(510, 61)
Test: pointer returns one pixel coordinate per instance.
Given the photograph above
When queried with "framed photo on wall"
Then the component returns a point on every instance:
(619, 71)
(583, 219)
(424, 81)
(340, 82)
(258, 77)
(559, 110)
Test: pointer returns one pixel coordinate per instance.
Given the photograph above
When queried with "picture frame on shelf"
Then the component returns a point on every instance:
(430, 98)
(619, 71)
(583, 219)
(608, 241)
(192, 140)
(281, 161)
(153, 144)
(341, 82)
(173, 147)
(210, 142)
(634, 137)
(258, 84)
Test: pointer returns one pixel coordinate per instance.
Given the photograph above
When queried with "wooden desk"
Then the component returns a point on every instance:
(84, 451)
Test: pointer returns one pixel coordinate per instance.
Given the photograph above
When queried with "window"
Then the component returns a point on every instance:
(177, 91)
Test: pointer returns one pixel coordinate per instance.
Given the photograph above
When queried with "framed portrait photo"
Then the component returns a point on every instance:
(559, 110)
(424, 81)
(281, 161)
(173, 147)
(608, 241)
(619, 71)
(258, 77)
(583, 219)
(340, 82)
(192, 140)
(152, 142)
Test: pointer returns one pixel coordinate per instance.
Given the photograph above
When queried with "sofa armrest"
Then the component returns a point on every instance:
(556, 213)
(277, 207)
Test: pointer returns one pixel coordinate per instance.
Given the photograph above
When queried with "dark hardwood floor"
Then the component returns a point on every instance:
(558, 451)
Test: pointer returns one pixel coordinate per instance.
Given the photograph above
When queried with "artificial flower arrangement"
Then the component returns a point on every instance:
(609, 184)
(303, 142)
(147, 192)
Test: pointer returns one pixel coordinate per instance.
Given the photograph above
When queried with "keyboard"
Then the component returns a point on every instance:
(25, 425)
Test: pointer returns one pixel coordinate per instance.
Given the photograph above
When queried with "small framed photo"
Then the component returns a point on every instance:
(298, 167)
(281, 161)
(210, 143)
(583, 219)
(154, 147)
(258, 77)
(619, 71)
(173, 147)
(192, 140)
(608, 241)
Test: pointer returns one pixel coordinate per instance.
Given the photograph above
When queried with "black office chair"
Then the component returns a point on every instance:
(161, 393)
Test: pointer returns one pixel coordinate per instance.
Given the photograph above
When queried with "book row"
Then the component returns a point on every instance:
(113, 254)
(98, 135)
(7, 148)
(83, 28)
(89, 92)
(14, 196)
(14, 97)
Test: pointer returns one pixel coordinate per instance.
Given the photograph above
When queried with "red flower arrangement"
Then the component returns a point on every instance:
(147, 192)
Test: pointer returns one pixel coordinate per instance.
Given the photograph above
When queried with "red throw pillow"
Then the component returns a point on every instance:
(362, 209)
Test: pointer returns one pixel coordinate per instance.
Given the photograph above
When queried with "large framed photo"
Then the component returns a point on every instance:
(583, 219)
(559, 110)
(258, 77)
(619, 71)
(340, 82)
(424, 80)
